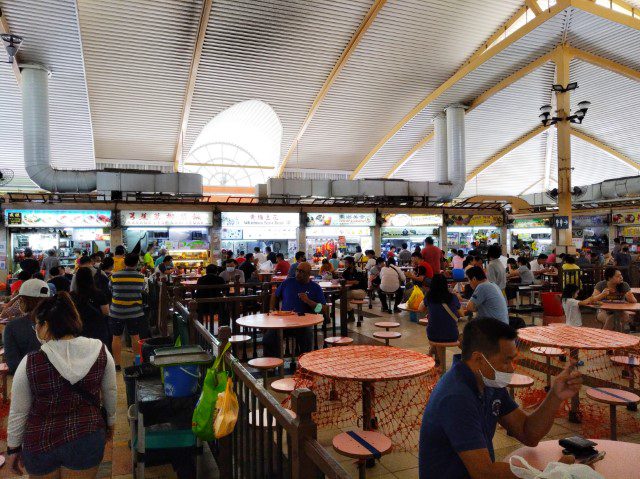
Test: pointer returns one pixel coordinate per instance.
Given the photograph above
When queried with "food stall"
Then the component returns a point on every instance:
(64, 230)
(530, 236)
(627, 225)
(185, 234)
(338, 232)
(398, 228)
(591, 233)
(245, 231)
(463, 230)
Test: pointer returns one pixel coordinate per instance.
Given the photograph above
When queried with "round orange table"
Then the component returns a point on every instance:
(617, 463)
(368, 365)
(575, 338)
(279, 323)
(617, 306)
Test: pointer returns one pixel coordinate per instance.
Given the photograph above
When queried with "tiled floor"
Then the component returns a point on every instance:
(117, 461)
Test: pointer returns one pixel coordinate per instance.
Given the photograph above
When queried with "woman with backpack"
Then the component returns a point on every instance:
(63, 398)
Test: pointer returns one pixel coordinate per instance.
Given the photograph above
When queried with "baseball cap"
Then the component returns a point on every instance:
(34, 288)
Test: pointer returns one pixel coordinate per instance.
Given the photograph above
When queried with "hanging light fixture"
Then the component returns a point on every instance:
(545, 110)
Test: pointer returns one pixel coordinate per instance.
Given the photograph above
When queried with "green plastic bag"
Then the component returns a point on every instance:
(204, 413)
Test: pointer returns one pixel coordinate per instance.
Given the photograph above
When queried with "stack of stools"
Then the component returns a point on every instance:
(441, 352)
(363, 446)
(548, 353)
(358, 304)
(265, 365)
(338, 341)
(519, 381)
(614, 398)
(387, 335)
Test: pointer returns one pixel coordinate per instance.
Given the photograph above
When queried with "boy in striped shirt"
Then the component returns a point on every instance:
(127, 286)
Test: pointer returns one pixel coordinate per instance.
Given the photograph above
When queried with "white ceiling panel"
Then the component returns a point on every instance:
(412, 47)
(421, 166)
(279, 52)
(51, 38)
(522, 52)
(137, 56)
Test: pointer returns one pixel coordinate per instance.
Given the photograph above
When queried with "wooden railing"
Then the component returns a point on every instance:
(282, 446)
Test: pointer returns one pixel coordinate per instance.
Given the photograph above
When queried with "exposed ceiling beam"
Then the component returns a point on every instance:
(606, 13)
(531, 186)
(4, 28)
(607, 149)
(337, 68)
(464, 71)
(191, 82)
(509, 148)
(511, 79)
(604, 63)
(533, 5)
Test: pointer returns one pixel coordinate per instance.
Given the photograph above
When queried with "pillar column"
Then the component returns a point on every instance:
(563, 137)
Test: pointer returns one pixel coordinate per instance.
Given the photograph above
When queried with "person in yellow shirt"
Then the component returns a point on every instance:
(148, 257)
(569, 264)
(118, 258)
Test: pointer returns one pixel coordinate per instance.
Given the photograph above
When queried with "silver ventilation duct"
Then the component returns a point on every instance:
(37, 153)
(449, 135)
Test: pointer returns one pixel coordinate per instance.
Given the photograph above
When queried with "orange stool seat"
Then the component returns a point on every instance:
(345, 445)
(387, 335)
(239, 338)
(288, 385)
(266, 363)
(423, 321)
(614, 398)
(338, 340)
(387, 324)
(357, 301)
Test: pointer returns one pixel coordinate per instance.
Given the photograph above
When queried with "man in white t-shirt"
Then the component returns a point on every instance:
(538, 265)
(259, 255)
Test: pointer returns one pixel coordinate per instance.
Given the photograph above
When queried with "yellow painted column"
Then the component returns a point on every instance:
(563, 137)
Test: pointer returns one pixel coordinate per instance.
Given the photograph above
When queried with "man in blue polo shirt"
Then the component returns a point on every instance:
(456, 436)
(300, 295)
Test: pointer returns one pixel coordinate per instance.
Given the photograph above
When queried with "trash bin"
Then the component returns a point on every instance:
(151, 344)
(132, 374)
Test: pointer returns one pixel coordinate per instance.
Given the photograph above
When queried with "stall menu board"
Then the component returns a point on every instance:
(590, 221)
(625, 218)
(57, 218)
(630, 231)
(341, 219)
(400, 232)
(166, 218)
(401, 220)
(475, 220)
(259, 233)
(337, 231)
(532, 223)
(240, 220)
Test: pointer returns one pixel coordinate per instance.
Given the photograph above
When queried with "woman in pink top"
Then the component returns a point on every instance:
(458, 260)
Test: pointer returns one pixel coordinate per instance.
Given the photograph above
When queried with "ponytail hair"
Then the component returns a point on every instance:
(60, 314)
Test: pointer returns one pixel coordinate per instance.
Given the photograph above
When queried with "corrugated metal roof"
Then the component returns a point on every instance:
(137, 56)
(51, 37)
(421, 166)
(522, 52)
(605, 38)
(279, 52)
(412, 47)
(615, 107)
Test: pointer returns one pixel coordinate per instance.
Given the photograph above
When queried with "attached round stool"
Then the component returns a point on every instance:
(358, 304)
(519, 381)
(288, 385)
(366, 445)
(441, 352)
(265, 365)
(387, 325)
(238, 339)
(423, 321)
(548, 353)
(261, 420)
(387, 335)
(629, 362)
(614, 398)
(338, 341)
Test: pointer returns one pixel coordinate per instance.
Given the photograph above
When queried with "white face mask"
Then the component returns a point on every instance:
(40, 340)
(502, 379)
(230, 268)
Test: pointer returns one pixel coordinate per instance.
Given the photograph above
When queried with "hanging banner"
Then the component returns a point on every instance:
(625, 218)
(532, 223)
(260, 219)
(166, 218)
(475, 220)
(402, 220)
(57, 218)
(341, 219)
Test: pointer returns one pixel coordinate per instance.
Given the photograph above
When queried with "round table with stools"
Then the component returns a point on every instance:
(614, 307)
(374, 367)
(574, 339)
(618, 463)
(280, 321)
(614, 398)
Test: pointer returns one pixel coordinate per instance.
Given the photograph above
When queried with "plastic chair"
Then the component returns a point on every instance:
(552, 311)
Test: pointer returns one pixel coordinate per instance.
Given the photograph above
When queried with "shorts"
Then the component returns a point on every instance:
(83, 453)
(133, 325)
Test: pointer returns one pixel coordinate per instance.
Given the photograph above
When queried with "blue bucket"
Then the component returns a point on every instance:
(181, 381)
(457, 274)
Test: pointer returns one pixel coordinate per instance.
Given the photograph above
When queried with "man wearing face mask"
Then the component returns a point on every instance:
(459, 422)
(19, 335)
(231, 274)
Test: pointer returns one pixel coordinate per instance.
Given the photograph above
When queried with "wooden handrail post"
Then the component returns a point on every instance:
(265, 293)
(303, 403)
(193, 317)
(344, 310)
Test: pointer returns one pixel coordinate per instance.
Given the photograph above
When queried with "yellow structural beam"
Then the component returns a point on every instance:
(606, 13)
(533, 5)
(337, 68)
(606, 148)
(470, 66)
(191, 82)
(509, 148)
(604, 63)
(4, 28)
(518, 204)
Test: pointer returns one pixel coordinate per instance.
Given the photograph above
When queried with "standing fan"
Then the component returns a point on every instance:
(6, 175)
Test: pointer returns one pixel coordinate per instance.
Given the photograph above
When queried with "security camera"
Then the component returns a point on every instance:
(11, 44)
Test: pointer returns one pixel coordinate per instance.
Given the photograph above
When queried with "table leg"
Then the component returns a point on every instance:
(574, 412)
(633, 407)
(280, 353)
(369, 422)
(614, 425)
